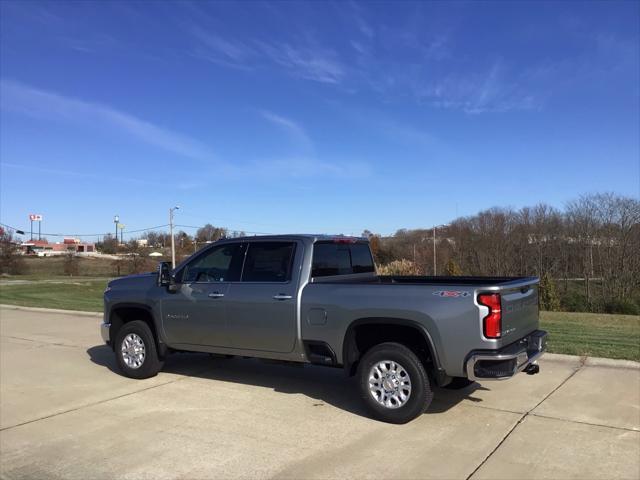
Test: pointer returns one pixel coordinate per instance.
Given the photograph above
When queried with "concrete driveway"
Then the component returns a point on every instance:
(65, 412)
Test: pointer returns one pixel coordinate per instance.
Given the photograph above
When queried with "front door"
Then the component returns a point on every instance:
(196, 313)
(261, 308)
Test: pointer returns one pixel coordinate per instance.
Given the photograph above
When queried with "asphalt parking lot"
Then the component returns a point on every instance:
(65, 412)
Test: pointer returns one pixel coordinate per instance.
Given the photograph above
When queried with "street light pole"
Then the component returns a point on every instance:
(116, 220)
(173, 248)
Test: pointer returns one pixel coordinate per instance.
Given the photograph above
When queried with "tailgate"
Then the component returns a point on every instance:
(519, 309)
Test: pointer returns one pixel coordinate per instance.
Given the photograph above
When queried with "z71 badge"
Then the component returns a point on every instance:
(451, 293)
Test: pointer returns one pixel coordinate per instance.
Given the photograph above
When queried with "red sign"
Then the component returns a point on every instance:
(34, 217)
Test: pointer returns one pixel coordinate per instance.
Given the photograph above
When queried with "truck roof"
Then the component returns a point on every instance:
(299, 236)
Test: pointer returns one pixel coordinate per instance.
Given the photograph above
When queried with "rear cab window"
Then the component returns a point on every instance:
(269, 262)
(332, 258)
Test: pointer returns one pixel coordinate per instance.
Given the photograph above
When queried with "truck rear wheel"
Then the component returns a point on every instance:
(393, 383)
(136, 351)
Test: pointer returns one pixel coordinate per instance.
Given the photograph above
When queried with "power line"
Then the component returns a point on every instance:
(148, 229)
(85, 234)
(228, 228)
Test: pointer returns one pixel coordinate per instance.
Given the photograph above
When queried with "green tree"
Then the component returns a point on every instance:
(549, 299)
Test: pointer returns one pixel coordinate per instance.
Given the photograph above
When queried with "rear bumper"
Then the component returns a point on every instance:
(506, 362)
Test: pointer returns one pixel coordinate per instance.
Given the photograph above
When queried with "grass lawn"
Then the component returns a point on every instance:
(593, 334)
(67, 293)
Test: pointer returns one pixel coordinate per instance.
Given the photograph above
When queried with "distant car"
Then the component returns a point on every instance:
(316, 299)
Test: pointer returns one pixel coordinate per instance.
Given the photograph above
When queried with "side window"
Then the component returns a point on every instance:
(331, 258)
(268, 262)
(219, 264)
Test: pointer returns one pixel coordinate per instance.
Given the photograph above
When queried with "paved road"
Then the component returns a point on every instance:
(66, 413)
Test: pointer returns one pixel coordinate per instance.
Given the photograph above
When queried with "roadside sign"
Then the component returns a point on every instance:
(34, 217)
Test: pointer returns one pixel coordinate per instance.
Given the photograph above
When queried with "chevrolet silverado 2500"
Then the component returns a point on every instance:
(317, 299)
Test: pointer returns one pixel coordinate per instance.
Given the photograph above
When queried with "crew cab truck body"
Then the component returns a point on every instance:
(317, 299)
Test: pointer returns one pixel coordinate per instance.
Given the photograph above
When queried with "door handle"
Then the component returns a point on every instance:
(282, 296)
(216, 295)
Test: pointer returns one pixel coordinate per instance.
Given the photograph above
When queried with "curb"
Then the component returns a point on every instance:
(591, 361)
(561, 357)
(611, 362)
(50, 310)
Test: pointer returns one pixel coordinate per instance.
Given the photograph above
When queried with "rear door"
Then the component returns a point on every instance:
(262, 307)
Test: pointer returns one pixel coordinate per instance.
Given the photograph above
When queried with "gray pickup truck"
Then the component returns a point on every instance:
(317, 299)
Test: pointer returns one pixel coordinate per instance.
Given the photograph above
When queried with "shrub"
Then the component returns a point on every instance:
(453, 269)
(398, 267)
(625, 307)
(70, 264)
(11, 261)
(574, 302)
(549, 299)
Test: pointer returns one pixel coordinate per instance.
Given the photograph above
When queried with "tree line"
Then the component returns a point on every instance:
(587, 255)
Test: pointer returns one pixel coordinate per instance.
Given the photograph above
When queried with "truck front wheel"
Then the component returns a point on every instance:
(136, 351)
(393, 383)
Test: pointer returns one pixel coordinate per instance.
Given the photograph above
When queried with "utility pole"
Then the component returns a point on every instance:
(173, 248)
(434, 251)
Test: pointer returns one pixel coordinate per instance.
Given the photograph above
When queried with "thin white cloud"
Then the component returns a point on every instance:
(73, 173)
(306, 61)
(222, 51)
(495, 90)
(301, 167)
(292, 128)
(52, 106)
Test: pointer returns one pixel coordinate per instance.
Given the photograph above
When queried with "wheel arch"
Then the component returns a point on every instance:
(124, 312)
(351, 353)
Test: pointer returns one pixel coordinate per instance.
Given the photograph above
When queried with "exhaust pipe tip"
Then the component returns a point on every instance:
(532, 369)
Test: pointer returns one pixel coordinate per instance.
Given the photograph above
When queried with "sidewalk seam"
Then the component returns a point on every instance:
(42, 341)
(627, 429)
(95, 403)
(524, 416)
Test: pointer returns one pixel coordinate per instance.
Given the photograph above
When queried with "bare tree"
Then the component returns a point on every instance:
(11, 261)
(209, 233)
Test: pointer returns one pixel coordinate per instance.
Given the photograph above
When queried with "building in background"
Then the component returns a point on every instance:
(43, 248)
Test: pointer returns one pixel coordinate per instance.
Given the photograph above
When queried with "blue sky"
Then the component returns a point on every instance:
(312, 117)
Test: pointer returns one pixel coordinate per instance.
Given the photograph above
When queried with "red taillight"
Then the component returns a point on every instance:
(492, 323)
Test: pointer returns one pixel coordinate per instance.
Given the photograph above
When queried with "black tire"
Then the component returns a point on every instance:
(151, 364)
(421, 395)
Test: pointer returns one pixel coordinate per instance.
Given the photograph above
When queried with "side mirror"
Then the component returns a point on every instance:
(164, 275)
